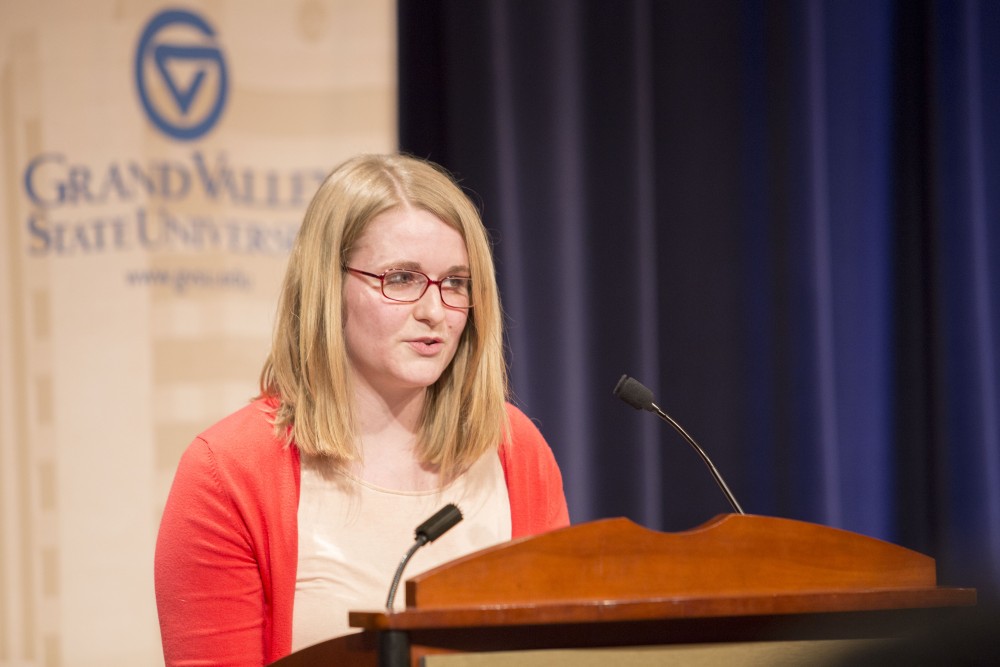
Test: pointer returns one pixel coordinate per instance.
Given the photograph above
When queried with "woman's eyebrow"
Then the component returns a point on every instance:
(417, 266)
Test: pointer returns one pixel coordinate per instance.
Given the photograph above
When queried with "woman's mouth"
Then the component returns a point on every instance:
(426, 346)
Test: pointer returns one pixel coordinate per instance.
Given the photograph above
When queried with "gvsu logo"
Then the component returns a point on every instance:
(180, 74)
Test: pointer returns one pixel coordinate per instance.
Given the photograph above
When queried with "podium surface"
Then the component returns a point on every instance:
(614, 583)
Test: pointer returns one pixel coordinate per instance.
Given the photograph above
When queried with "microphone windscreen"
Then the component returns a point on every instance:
(634, 393)
(439, 524)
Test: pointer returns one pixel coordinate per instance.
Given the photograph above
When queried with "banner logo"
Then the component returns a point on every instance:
(180, 74)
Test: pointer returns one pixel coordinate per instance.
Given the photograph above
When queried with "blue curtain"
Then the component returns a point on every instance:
(781, 217)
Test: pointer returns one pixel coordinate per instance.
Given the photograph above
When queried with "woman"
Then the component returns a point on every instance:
(383, 398)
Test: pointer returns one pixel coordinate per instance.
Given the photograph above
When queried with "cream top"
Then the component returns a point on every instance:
(353, 535)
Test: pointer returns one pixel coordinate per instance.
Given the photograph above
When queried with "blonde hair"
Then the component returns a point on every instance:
(306, 373)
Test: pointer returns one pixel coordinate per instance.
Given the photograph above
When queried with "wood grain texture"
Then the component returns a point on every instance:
(615, 559)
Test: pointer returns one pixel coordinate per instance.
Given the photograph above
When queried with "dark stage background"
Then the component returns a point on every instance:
(780, 216)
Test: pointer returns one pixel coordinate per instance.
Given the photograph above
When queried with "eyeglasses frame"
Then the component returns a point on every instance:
(427, 286)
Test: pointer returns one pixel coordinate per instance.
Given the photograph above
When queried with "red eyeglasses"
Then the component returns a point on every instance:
(408, 286)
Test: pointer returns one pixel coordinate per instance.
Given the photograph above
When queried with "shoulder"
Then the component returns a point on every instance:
(241, 446)
(238, 468)
(534, 482)
(523, 431)
(251, 421)
(525, 449)
(525, 445)
(245, 435)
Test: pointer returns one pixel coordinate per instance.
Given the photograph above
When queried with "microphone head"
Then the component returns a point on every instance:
(439, 524)
(634, 393)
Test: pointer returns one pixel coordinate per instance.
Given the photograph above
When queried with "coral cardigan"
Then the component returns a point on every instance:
(227, 550)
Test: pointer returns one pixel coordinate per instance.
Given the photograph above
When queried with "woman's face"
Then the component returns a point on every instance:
(394, 346)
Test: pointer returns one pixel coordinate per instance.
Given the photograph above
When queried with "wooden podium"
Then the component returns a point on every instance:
(736, 578)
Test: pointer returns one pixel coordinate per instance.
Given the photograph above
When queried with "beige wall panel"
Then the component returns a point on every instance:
(138, 278)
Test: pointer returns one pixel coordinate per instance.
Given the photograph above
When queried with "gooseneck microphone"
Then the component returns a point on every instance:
(436, 526)
(640, 397)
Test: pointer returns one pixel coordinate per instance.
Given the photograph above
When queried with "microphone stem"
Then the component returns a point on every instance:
(421, 541)
(704, 457)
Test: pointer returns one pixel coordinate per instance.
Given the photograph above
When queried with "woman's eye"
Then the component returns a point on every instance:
(456, 284)
(401, 278)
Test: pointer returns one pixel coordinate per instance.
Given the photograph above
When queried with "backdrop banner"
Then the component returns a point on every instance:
(155, 162)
